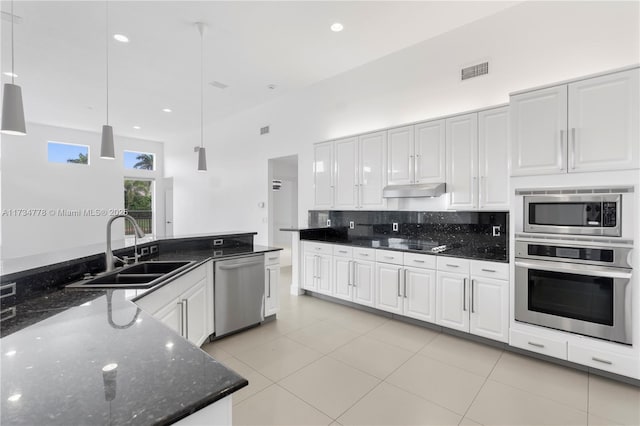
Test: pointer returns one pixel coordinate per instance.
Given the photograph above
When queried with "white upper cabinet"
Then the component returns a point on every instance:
(416, 154)
(371, 169)
(400, 156)
(493, 159)
(462, 167)
(603, 126)
(430, 152)
(588, 125)
(323, 174)
(346, 178)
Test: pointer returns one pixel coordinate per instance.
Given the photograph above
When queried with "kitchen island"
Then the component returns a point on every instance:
(94, 357)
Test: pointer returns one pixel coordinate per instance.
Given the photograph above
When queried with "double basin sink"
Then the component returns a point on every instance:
(138, 276)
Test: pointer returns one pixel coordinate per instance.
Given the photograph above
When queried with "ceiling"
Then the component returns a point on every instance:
(60, 54)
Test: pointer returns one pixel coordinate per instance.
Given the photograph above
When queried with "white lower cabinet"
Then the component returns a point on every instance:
(317, 267)
(388, 292)
(473, 296)
(353, 278)
(271, 283)
(185, 304)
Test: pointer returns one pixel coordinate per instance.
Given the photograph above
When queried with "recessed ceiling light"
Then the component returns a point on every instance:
(14, 397)
(166, 109)
(10, 74)
(121, 38)
(137, 127)
(336, 27)
(11, 353)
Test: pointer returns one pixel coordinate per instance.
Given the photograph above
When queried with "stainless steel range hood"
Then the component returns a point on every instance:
(414, 191)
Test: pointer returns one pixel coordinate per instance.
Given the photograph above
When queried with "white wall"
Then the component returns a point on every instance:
(531, 44)
(29, 181)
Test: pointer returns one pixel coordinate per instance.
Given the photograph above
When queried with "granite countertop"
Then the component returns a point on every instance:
(55, 348)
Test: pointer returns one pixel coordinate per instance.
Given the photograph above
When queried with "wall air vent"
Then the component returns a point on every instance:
(276, 184)
(474, 71)
(264, 130)
(218, 85)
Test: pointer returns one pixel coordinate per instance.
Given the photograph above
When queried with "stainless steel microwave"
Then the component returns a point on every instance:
(581, 214)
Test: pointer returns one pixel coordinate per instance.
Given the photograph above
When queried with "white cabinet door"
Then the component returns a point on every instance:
(195, 313)
(342, 277)
(400, 156)
(430, 152)
(372, 169)
(388, 291)
(346, 185)
(309, 275)
(420, 294)
(604, 123)
(462, 160)
(171, 316)
(539, 131)
(489, 306)
(323, 174)
(451, 301)
(324, 274)
(493, 159)
(363, 282)
(271, 290)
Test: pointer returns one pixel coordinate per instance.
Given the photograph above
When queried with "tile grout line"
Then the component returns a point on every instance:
(482, 387)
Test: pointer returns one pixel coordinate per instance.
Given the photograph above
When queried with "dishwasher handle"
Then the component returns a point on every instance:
(238, 265)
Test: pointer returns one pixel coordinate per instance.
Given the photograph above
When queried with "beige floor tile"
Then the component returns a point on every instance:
(468, 422)
(599, 421)
(275, 406)
(279, 358)
(565, 385)
(613, 400)
(324, 336)
(372, 356)
(448, 386)
(329, 385)
(471, 356)
(257, 381)
(240, 342)
(389, 405)
(499, 404)
(407, 336)
(216, 351)
(360, 321)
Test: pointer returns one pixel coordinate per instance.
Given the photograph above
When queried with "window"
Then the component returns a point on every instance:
(59, 152)
(139, 160)
(138, 201)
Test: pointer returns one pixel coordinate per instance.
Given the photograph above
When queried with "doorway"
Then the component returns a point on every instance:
(283, 203)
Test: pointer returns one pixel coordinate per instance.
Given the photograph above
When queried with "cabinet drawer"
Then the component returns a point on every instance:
(343, 251)
(272, 258)
(420, 260)
(604, 360)
(453, 264)
(388, 256)
(542, 345)
(364, 254)
(318, 248)
(499, 271)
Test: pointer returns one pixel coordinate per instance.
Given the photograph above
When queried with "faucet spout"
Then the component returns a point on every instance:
(137, 234)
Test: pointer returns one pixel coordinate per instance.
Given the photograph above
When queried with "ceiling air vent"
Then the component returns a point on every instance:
(219, 85)
(474, 71)
(264, 130)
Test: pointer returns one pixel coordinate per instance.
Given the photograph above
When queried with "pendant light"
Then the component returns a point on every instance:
(107, 150)
(12, 108)
(202, 154)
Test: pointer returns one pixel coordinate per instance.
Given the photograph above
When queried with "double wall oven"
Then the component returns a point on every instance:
(573, 266)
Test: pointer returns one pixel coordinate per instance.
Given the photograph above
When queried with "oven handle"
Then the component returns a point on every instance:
(582, 270)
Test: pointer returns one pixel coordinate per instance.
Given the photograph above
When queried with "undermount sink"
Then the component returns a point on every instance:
(139, 276)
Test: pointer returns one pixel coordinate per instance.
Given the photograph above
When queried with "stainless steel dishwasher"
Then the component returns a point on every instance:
(238, 293)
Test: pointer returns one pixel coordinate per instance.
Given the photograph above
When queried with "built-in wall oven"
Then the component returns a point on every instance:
(576, 286)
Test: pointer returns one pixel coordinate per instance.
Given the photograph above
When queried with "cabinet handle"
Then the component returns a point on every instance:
(318, 248)
(186, 317)
(350, 279)
(399, 272)
(389, 257)
(319, 268)
(181, 318)
(405, 284)
(355, 275)
(537, 345)
(273, 258)
(488, 270)
(473, 283)
(573, 148)
(452, 266)
(268, 282)
(418, 261)
(604, 361)
(464, 294)
(561, 150)
(364, 255)
(342, 251)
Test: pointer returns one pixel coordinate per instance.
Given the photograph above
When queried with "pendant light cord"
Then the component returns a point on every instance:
(107, 50)
(13, 18)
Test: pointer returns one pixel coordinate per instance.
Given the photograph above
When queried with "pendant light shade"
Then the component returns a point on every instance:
(106, 146)
(12, 111)
(202, 159)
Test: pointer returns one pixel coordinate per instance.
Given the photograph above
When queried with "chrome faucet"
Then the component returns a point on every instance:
(137, 234)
